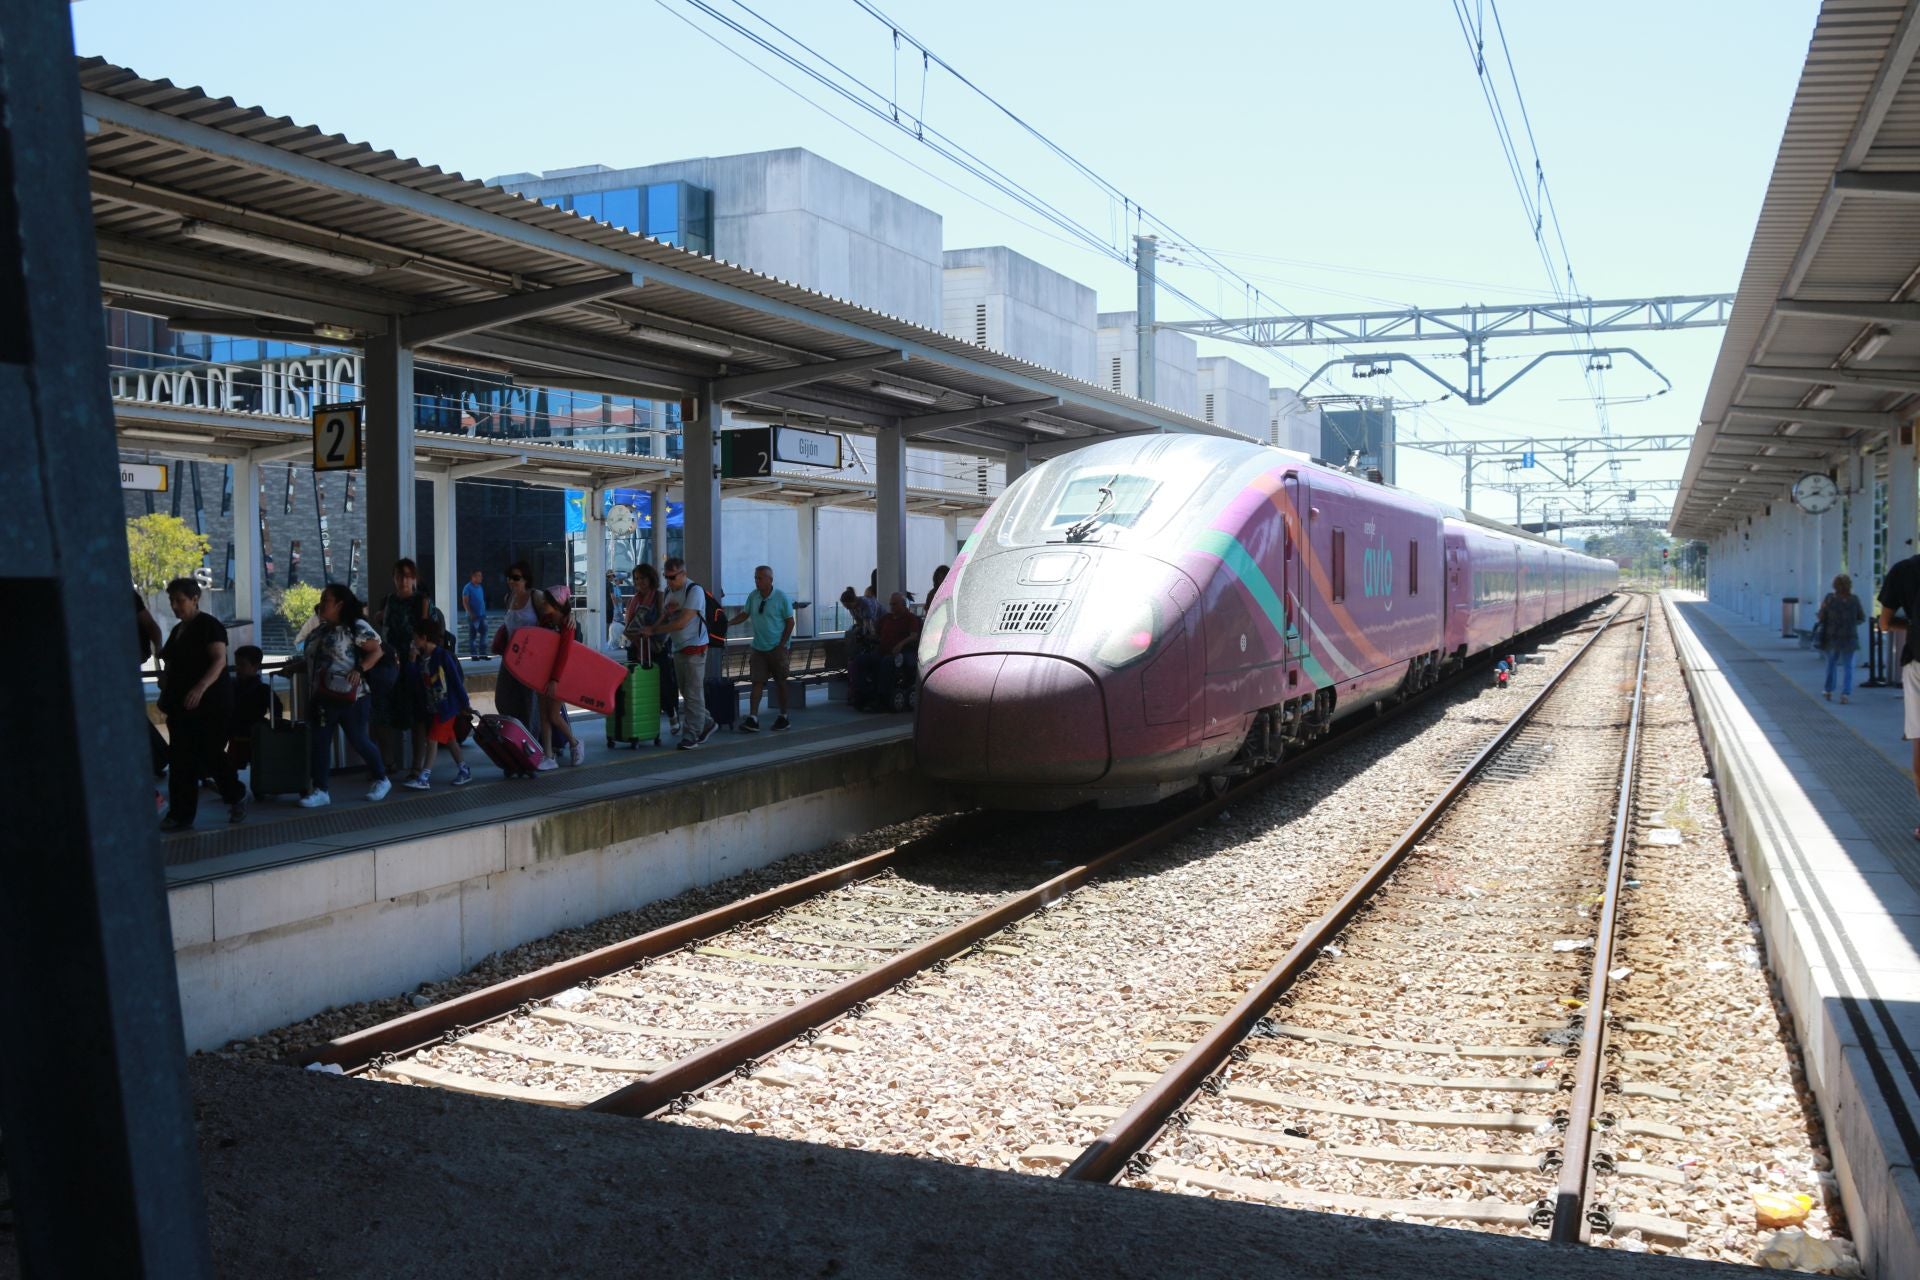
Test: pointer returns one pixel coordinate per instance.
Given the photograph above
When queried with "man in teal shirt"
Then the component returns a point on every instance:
(771, 614)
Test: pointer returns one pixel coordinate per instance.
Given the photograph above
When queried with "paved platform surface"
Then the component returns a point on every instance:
(312, 1175)
(278, 831)
(1821, 810)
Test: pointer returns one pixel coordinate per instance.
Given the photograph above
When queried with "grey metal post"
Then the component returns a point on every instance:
(248, 599)
(700, 503)
(102, 1161)
(657, 526)
(1017, 464)
(890, 511)
(1469, 502)
(1143, 257)
(391, 532)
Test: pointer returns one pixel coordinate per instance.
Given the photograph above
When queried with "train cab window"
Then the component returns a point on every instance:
(1337, 568)
(1413, 568)
(1081, 497)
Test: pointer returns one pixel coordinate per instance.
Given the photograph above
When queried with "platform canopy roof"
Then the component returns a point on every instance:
(225, 219)
(1822, 354)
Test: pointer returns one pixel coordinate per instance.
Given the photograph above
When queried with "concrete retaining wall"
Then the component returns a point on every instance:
(259, 950)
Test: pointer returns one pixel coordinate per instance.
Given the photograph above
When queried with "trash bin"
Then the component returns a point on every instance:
(1787, 606)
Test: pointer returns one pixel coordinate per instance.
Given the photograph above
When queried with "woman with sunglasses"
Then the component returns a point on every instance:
(510, 697)
(645, 608)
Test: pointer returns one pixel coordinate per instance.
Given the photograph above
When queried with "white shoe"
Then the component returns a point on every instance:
(316, 800)
(378, 791)
(547, 764)
(578, 752)
(418, 782)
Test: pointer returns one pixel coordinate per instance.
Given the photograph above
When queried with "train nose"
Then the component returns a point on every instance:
(1012, 717)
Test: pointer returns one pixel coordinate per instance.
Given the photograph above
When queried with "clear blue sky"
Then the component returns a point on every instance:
(1341, 152)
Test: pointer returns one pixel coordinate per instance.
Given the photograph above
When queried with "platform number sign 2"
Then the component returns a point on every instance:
(337, 436)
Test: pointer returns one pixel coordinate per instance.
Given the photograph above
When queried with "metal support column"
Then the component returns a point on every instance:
(391, 532)
(446, 553)
(657, 525)
(1468, 504)
(103, 1164)
(890, 511)
(248, 601)
(806, 579)
(1903, 495)
(700, 504)
(594, 624)
(949, 539)
(1144, 248)
(1017, 464)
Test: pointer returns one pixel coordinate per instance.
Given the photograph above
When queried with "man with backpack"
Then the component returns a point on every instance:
(685, 622)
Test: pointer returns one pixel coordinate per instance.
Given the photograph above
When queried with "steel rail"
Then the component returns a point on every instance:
(416, 1031)
(1572, 1223)
(665, 1089)
(1107, 1157)
(419, 1030)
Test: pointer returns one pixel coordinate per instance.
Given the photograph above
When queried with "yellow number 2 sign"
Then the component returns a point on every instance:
(337, 437)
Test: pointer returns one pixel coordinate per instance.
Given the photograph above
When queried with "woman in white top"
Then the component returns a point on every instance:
(339, 653)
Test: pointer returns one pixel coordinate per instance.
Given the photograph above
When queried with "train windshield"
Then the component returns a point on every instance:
(1115, 499)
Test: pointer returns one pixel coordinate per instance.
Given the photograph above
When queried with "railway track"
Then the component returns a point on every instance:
(644, 1026)
(1436, 1045)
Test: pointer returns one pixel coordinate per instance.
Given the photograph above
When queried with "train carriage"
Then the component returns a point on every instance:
(1142, 613)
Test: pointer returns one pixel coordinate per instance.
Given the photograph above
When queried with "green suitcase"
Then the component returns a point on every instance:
(636, 707)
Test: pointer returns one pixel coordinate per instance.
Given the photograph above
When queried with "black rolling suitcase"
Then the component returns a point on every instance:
(282, 752)
(723, 700)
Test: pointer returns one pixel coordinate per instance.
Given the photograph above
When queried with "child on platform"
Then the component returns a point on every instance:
(253, 702)
(444, 695)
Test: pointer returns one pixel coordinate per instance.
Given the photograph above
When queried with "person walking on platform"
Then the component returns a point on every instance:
(551, 607)
(771, 615)
(685, 623)
(473, 603)
(340, 654)
(396, 693)
(438, 671)
(1900, 613)
(646, 609)
(1836, 629)
(196, 696)
(510, 697)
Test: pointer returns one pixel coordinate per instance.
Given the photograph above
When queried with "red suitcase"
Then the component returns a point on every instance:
(508, 744)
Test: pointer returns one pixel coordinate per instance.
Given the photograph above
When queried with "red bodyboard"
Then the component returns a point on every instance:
(590, 681)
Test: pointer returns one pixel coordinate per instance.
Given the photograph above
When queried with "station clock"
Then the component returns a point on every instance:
(1815, 493)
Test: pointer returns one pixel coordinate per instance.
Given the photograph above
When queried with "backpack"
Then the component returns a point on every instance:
(716, 619)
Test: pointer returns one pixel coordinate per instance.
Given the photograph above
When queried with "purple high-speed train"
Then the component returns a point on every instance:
(1137, 617)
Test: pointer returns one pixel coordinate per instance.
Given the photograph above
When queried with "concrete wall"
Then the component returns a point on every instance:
(1233, 395)
(1292, 423)
(1177, 385)
(259, 950)
(1007, 302)
(799, 217)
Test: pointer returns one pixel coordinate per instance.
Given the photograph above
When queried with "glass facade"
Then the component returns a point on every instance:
(675, 213)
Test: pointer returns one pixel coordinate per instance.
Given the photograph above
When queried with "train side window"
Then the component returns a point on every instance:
(1338, 569)
(1413, 568)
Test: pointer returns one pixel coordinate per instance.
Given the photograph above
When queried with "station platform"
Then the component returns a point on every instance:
(297, 910)
(1819, 805)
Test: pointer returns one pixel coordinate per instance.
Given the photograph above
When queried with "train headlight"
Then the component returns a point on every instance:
(1131, 635)
(933, 630)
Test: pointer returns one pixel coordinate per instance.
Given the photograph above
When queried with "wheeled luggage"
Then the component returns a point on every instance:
(723, 701)
(636, 705)
(279, 752)
(509, 745)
